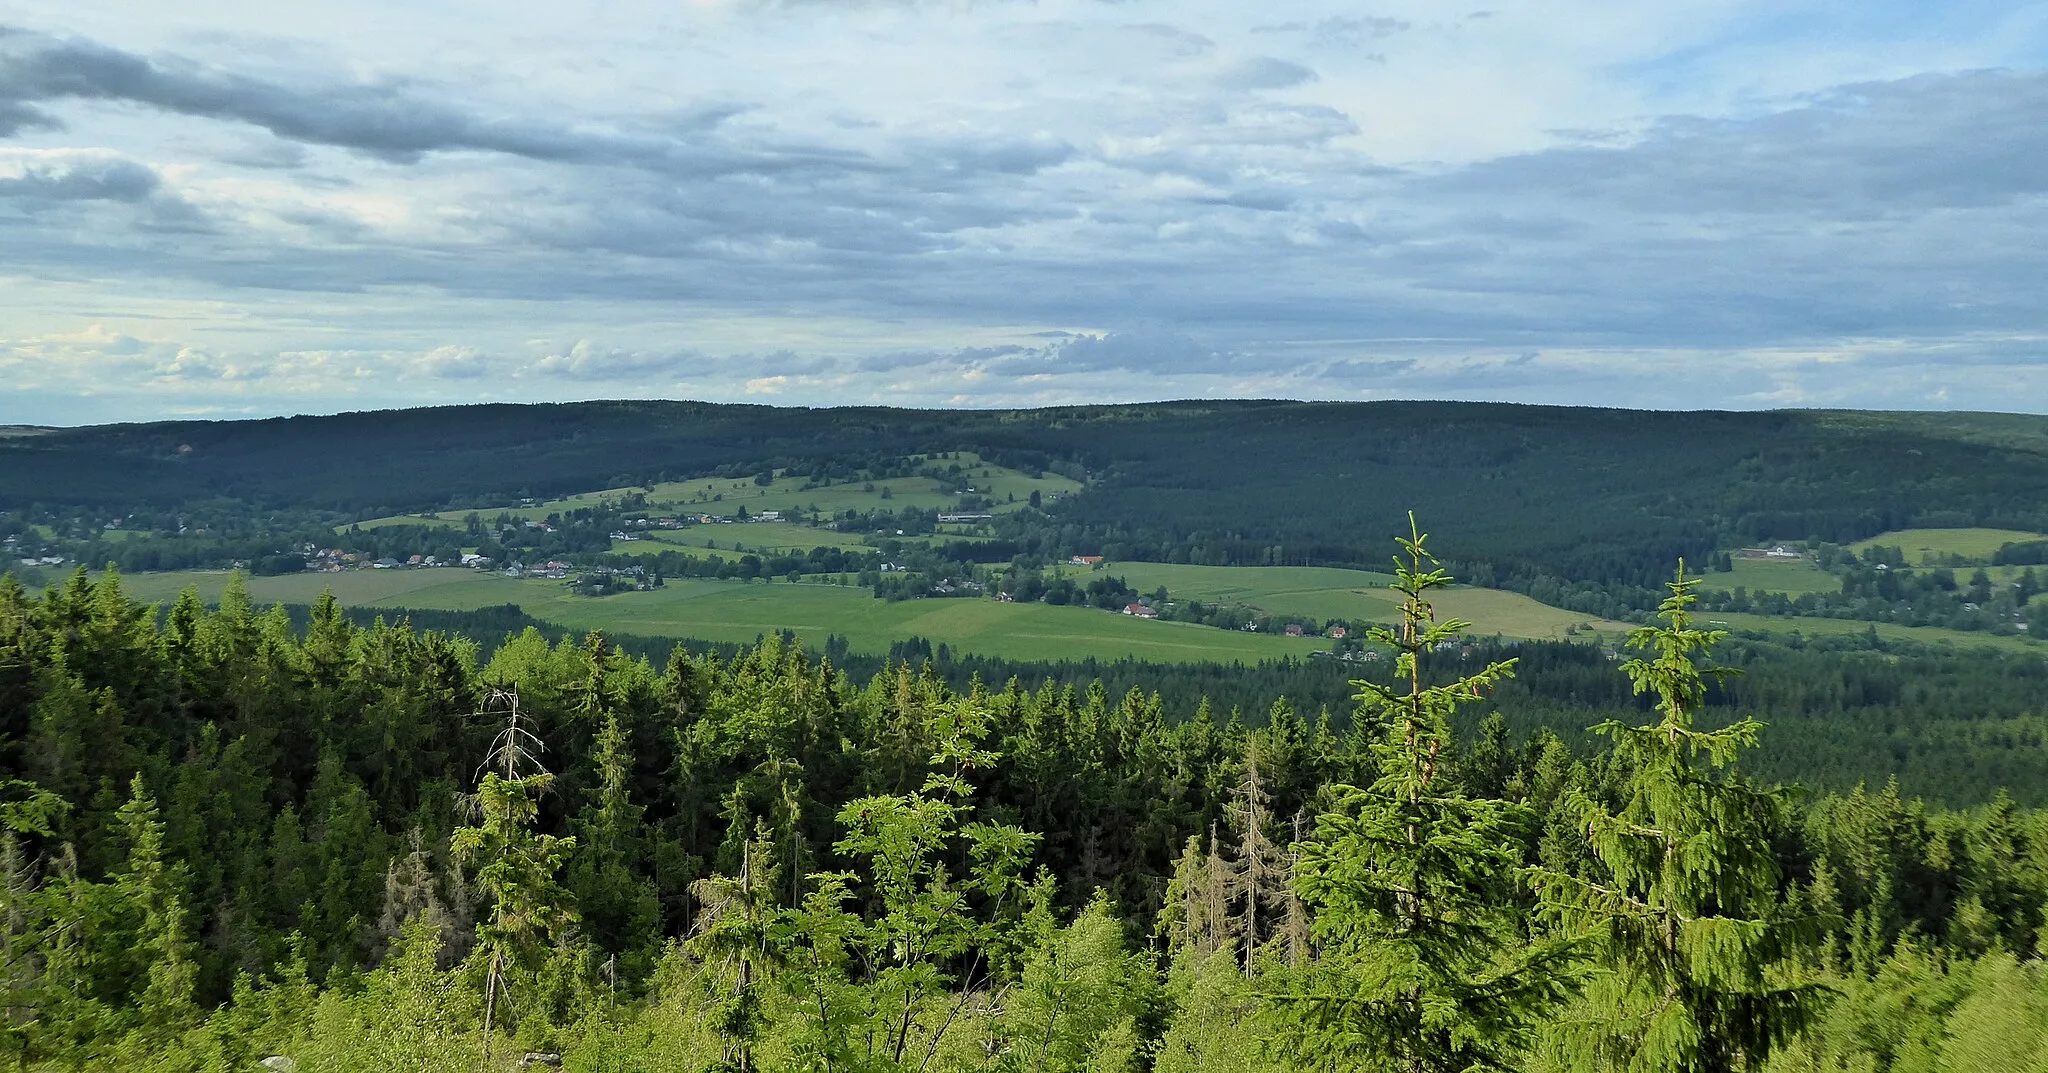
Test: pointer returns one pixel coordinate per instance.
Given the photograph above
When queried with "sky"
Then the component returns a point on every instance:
(228, 209)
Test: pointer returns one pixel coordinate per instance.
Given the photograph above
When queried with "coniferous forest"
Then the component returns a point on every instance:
(233, 839)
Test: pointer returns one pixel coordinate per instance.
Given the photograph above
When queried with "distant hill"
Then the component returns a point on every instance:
(1613, 496)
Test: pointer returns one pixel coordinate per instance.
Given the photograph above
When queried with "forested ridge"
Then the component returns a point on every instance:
(1591, 504)
(230, 837)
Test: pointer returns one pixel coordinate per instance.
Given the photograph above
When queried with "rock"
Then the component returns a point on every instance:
(278, 1063)
(540, 1058)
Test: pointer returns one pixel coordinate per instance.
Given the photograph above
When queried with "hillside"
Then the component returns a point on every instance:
(1606, 497)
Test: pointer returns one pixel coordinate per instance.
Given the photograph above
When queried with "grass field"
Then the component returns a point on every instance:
(1976, 545)
(1836, 627)
(1767, 575)
(353, 588)
(1331, 592)
(735, 611)
(731, 611)
(712, 495)
(759, 538)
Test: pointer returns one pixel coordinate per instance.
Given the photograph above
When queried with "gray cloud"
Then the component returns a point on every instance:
(1342, 31)
(1266, 72)
(584, 361)
(78, 177)
(1933, 140)
(1269, 252)
(391, 120)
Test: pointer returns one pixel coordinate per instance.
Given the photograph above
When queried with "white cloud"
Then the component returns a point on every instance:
(346, 205)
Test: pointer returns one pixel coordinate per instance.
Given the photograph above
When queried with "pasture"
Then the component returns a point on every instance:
(354, 588)
(1793, 576)
(1928, 545)
(1359, 595)
(1841, 627)
(738, 611)
(735, 611)
(1010, 489)
(755, 538)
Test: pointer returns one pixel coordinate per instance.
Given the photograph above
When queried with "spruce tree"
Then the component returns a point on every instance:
(1259, 872)
(1684, 901)
(27, 812)
(737, 936)
(1422, 961)
(151, 890)
(516, 867)
(619, 908)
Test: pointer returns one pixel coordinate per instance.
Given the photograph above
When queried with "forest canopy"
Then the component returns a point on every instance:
(230, 837)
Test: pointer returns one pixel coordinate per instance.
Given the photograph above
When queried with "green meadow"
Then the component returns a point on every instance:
(1357, 595)
(757, 538)
(1794, 576)
(740, 611)
(1975, 545)
(1010, 489)
(736, 611)
(456, 589)
(1840, 627)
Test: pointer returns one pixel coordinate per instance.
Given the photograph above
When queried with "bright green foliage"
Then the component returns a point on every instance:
(1684, 902)
(619, 908)
(1422, 963)
(410, 1015)
(515, 873)
(738, 937)
(936, 932)
(1076, 1005)
(1218, 1024)
(161, 939)
(867, 848)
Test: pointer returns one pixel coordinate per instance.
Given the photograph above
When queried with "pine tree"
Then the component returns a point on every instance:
(27, 811)
(737, 937)
(516, 867)
(619, 907)
(1259, 870)
(149, 887)
(409, 895)
(1423, 964)
(1684, 903)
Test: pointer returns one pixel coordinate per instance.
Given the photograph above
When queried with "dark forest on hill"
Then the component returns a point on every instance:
(1596, 500)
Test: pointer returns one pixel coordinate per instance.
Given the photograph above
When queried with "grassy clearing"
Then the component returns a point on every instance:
(1837, 627)
(736, 611)
(758, 538)
(1773, 575)
(352, 587)
(1009, 488)
(1512, 614)
(733, 611)
(1358, 595)
(1975, 545)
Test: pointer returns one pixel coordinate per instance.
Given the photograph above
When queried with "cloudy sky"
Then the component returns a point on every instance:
(213, 208)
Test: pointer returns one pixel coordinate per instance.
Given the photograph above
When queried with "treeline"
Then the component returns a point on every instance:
(228, 837)
(1585, 507)
(1956, 725)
